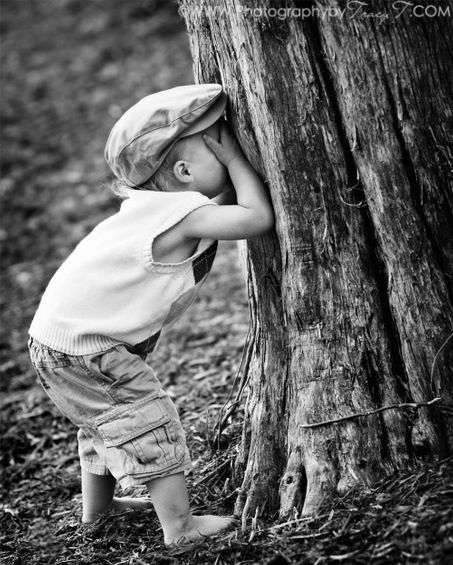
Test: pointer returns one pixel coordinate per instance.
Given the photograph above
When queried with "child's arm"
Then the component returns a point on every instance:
(251, 216)
(227, 196)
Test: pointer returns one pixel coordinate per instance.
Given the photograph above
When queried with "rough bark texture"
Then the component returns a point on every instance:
(349, 121)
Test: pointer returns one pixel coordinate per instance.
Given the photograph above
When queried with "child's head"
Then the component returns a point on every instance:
(157, 144)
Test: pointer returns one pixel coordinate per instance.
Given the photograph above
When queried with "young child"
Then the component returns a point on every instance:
(134, 274)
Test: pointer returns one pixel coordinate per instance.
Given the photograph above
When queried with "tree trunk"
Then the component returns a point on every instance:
(349, 121)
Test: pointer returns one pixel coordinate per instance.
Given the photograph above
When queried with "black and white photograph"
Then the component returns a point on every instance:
(226, 282)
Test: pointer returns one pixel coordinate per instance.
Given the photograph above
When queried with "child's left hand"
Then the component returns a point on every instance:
(227, 148)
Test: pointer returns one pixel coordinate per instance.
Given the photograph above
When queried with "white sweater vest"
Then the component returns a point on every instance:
(110, 290)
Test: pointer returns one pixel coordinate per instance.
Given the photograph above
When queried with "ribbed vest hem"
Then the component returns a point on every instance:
(68, 342)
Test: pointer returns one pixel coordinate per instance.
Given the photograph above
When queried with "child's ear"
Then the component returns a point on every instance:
(181, 170)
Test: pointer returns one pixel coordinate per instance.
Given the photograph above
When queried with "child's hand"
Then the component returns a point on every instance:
(227, 149)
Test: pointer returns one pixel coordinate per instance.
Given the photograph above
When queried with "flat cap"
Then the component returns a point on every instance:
(143, 136)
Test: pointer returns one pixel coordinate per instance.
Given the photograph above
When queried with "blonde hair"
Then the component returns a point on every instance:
(161, 179)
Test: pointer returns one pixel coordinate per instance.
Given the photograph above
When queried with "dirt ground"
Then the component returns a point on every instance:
(69, 69)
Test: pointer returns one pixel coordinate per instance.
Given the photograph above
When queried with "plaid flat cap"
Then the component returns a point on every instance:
(143, 136)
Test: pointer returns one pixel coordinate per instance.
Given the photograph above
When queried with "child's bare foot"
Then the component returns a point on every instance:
(197, 527)
(119, 504)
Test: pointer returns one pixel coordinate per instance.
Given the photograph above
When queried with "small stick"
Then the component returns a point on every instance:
(433, 366)
(212, 473)
(289, 523)
(369, 412)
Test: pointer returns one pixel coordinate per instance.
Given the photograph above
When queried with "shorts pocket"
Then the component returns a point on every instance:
(141, 437)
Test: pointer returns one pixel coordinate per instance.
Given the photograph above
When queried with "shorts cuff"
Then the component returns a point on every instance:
(94, 468)
(129, 481)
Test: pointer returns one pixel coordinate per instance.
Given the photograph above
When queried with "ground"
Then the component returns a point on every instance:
(69, 68)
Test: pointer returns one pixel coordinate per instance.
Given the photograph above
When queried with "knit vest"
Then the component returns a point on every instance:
(110, 290)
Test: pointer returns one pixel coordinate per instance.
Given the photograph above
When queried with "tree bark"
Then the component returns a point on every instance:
(349, 121)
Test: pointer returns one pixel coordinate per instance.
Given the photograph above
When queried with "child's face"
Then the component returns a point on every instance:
(208, 174)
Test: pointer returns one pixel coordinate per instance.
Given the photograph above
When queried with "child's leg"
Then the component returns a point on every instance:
(171, 503)
(97, 497)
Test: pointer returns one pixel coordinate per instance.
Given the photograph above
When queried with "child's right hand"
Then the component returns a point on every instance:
(227, 148)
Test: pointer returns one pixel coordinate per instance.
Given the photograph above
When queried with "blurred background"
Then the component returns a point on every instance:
(69, 69)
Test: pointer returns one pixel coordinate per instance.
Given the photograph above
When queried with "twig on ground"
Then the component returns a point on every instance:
(370, 412)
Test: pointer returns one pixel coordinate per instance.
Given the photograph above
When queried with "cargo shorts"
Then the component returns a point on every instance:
(128, 426)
